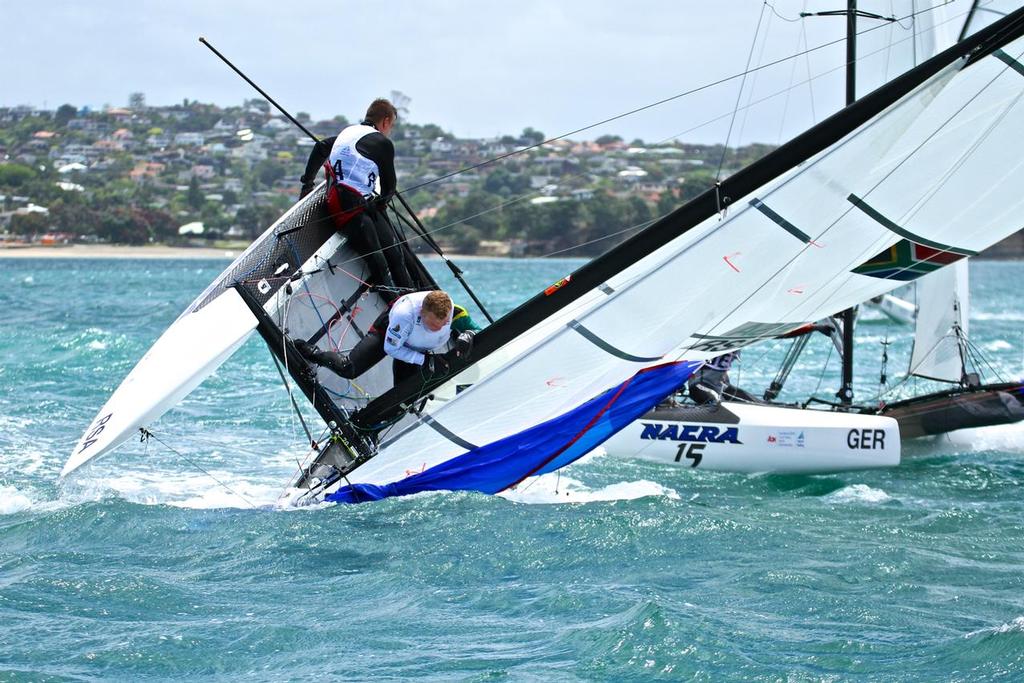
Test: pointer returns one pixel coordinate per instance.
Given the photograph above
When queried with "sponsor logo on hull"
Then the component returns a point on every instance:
(690, 433)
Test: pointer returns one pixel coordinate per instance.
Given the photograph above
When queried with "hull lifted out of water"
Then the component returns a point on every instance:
(739, 437)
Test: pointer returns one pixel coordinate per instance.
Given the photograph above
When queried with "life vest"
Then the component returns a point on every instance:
(350, 168)
(350, 172)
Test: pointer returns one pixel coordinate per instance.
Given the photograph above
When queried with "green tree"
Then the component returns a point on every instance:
(29, 223)
(15, 175)
(608, 139)
(534, 137)
(195, 196)
(65, 113)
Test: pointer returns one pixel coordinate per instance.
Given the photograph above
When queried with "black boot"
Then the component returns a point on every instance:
(335, 362)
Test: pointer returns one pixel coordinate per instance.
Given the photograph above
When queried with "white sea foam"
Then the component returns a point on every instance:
(551, 489)
(858, 493)
(1015, 625)
(28, 280)
(998, 345)
(97, 345)
(998, 437)
(193, 490)
(12, 500)
(1002, 315)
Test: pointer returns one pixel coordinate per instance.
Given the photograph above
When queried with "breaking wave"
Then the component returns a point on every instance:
(858, 493)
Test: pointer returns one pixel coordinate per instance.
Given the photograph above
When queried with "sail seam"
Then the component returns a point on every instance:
(780, 221)
(601, 343)
(903, 232)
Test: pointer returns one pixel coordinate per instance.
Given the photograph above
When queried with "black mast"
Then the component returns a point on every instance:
(686, 217)
(851, 12)
(846, 388)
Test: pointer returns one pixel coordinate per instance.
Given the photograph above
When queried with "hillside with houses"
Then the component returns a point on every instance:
(202, 174)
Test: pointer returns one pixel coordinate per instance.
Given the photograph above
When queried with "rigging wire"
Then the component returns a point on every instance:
(147, 434)
(739, 95)
(652, 105)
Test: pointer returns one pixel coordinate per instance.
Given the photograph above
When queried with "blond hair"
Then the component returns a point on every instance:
(438, 304)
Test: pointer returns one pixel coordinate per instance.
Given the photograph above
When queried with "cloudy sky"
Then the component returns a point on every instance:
(476, 68)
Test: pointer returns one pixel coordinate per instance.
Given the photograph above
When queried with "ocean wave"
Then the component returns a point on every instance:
(858, 493)
(550, 489)
(1017, 625)
(1008, 437)
(197, 491)
(12, 501)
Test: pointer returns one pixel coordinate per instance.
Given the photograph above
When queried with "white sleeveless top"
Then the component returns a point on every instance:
(350, 167)
(406, 337)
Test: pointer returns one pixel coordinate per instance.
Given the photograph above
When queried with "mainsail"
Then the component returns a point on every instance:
(915, 175)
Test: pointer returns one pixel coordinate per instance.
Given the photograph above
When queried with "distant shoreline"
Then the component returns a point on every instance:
(159, 251)
(123, 251)
(80, 251)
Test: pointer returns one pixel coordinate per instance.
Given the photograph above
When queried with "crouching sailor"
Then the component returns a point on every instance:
(353, 162)
(710, 383)
(412, 332)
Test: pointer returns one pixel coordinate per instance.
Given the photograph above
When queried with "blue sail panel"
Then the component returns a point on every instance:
(540, 449)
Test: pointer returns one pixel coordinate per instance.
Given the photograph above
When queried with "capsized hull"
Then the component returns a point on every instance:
(736, 437)
(948, 411)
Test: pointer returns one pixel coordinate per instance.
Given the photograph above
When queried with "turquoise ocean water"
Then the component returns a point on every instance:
(146, 568)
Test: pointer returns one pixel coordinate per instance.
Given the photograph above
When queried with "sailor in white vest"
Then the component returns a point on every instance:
(358, 161)
(414, 333)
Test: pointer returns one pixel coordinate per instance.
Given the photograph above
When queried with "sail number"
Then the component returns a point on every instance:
(691, 451)
(97, 429)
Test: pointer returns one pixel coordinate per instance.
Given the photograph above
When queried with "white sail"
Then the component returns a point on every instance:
(932, 179)
(943, 299)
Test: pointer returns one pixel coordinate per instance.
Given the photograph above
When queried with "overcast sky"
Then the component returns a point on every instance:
(476, 68)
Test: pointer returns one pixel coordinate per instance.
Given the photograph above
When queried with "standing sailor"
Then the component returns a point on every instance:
(412, 332)
(354, 161)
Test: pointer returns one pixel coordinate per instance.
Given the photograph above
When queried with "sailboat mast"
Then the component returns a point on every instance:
(846, 390)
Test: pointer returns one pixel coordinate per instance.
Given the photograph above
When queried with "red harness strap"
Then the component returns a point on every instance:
(334, 188)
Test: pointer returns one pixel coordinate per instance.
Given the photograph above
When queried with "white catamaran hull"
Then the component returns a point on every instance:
(736, 437)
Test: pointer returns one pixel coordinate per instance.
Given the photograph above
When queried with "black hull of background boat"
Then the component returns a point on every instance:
(961, 408)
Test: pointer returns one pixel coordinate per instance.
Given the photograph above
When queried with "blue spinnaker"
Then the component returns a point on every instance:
(540, 449)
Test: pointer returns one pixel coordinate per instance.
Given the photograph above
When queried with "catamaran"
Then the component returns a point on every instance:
(921, 172)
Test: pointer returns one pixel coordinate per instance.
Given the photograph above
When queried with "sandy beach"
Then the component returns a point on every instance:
(115, 251)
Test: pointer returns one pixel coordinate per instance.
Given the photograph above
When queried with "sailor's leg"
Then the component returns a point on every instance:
(362, 234)
(702, 394)
(401, 370)
(393, 251)
(360, 358)
(367, 353)
(734, 393)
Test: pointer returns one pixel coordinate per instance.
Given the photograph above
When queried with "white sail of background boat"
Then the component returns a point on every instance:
(918, 174)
